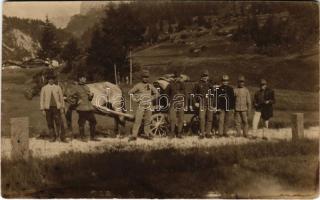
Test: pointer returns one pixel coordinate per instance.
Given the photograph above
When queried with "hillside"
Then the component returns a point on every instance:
(219, 54)
(21, 37)
(90, 14)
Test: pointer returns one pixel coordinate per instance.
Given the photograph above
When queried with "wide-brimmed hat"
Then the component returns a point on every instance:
(51, 76)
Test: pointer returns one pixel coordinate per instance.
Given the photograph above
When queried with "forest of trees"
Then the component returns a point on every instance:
(126, 26)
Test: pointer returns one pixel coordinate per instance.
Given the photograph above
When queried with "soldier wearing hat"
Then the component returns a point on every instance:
(144, 93)
(52, 107)
(242, 107)
(84, 108)
(263, 101)
(178, 99)
(226, 103)
(201, 92)
(71, 100)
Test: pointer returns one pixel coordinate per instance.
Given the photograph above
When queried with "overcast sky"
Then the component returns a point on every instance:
(39, 10)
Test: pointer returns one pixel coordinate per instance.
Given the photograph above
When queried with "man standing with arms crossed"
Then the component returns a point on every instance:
(144, 93)
(242, 107)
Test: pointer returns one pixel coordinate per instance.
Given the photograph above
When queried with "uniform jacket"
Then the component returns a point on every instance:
(177, 87)
(144, 92)
(84, 96)
(47, 92)
(226, 97)
(242, 99)
(201, 90)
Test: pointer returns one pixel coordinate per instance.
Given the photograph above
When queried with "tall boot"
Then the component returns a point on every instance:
(93, 133)
(81, 132)
(52, 134)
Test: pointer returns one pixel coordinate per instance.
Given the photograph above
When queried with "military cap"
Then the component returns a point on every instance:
(225, 77)
(263, 82)
(241, 78)
(81, 74)
(205, 73)
(145, 73)
(176, 73)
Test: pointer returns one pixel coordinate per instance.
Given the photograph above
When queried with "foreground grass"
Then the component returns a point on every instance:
(233, 171)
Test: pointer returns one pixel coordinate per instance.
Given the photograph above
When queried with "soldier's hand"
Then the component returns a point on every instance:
(43, 112)
(62, 110)
(197, 105)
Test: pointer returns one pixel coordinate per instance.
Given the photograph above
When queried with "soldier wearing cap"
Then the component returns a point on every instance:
(144, 93)
(178, 99)
(263, 101)
(52, 106)
(242, 106)
(201, 92)
(226, 103)
(84, 108)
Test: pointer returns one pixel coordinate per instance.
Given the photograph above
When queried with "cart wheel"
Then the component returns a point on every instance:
(195, 124)
(159, 125)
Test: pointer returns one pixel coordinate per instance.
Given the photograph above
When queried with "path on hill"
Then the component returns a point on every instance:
(44, 148)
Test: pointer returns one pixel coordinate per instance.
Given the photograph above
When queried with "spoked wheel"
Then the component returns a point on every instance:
(159, 125)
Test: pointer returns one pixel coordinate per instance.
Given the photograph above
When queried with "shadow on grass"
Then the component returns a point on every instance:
(166, 173)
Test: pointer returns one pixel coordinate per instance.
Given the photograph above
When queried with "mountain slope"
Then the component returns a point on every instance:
(17, 45)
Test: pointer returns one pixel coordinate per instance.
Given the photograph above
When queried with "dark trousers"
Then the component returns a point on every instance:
(224, 121)
(176, 118)
(69, 116)
(87, 116)
(53, 117)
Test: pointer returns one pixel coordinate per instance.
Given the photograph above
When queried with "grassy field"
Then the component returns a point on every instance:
(265, 169)
(221, 55)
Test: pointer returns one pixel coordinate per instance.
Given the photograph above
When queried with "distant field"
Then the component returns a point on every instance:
(14, 104)
(221, 55)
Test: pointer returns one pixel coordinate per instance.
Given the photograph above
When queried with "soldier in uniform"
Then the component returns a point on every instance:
(201, 92)
(226, 101)
(71, 102)
(85, 109)
(177, 98)
(144, 93)
(242, 107)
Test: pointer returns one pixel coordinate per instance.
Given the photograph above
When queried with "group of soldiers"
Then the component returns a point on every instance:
(224, 103)
(212, 100)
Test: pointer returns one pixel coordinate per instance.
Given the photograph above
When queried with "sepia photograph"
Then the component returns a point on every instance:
(160, 99)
